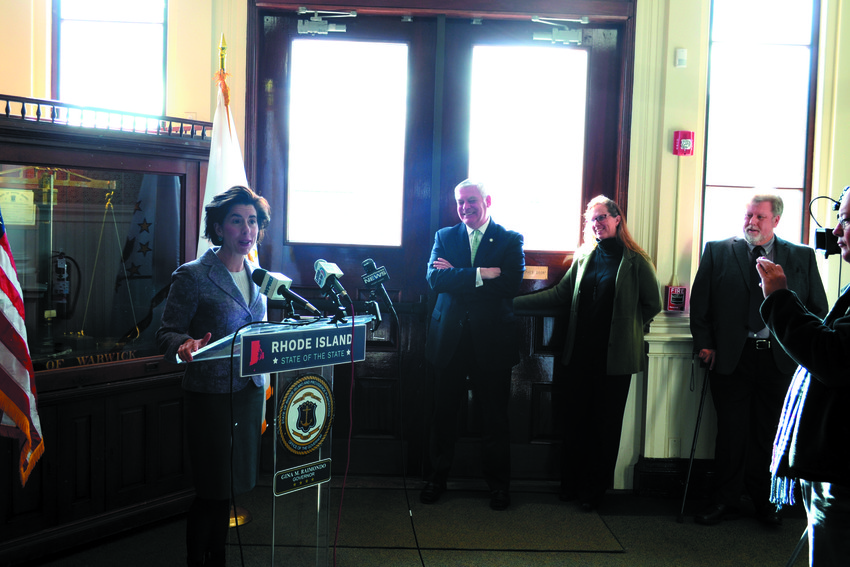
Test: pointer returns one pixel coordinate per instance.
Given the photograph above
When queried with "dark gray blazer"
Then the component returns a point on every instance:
(204, 298)
(720, 297)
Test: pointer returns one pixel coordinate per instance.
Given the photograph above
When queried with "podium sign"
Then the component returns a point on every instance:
(329, 344)
(315, 344)
(305, 476)
(287, 350)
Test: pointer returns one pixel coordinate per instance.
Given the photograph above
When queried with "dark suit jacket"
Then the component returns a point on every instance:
(204, 298)
(815, 437)
(489, 308)
(720, 297)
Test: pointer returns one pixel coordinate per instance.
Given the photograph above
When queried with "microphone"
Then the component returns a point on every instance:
(274, 284)
(327, 278)
(375, 277)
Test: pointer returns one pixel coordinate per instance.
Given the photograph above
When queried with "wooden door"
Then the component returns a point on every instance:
(383, 406)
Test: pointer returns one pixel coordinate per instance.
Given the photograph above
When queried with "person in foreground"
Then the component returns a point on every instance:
(610, 294)
(476, 268)
(748, 371)
(210, 298)
(813, 436)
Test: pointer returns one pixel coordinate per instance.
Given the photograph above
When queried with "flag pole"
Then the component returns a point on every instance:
(221, 77)
(225, 168)
(239, 516)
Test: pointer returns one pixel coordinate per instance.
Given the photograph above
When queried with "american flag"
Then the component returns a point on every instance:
(18, 412)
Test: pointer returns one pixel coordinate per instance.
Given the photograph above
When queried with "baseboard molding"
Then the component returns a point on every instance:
(667, 477)
(90, 529)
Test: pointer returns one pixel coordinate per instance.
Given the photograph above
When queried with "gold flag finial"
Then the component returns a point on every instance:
(222, 53)
(221, 75)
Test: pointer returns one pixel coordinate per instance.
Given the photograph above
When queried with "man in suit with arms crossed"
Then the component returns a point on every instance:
(476, 268)
(748, 370)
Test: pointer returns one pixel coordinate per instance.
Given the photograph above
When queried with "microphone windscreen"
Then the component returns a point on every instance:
(258, 276)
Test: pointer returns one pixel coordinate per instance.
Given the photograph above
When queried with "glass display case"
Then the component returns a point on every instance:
(97, 219)
(94, 251)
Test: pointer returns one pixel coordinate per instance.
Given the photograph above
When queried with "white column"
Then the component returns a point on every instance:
(674, 385)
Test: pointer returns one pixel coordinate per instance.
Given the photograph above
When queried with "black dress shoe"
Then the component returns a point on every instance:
(715, 514)
(432, 492)
(500, 499)
(769, 515)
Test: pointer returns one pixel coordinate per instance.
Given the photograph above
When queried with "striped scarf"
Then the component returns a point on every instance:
(781, 483)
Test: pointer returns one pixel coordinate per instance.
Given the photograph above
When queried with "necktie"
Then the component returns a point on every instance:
(755, 322)
(476, 239)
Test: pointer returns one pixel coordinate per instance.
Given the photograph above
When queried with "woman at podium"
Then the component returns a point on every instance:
(210, 298)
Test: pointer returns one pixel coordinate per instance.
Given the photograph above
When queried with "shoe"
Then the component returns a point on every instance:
(432, 492)
(715, 514)
(769, 515)
(500, 499)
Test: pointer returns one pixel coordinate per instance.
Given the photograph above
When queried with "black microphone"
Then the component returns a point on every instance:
(327, 278)
(375, 277)
(274, 284)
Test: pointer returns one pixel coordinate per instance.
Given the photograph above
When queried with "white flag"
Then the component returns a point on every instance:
(226, 168)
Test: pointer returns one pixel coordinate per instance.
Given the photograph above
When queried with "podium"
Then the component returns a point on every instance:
(300, 356)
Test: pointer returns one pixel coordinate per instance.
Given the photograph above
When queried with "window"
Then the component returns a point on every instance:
(759, 114)
(346, 151)
(528, 106)
(111, 54)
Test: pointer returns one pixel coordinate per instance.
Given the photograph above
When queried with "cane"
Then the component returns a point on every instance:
(798, 548)
(680, 519)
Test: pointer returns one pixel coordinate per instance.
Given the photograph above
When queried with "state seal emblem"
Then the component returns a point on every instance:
(305, 414)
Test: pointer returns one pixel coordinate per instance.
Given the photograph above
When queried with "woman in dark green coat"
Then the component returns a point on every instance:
(609, 294)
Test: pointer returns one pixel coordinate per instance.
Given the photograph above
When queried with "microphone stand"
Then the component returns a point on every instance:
(375, 309)
(288, 311)
(284, 305)
(339, 316)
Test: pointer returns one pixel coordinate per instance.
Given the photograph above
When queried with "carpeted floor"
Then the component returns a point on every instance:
(380, 517)
(460, 530)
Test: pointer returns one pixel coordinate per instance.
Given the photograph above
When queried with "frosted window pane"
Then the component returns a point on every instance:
(758, 113)
(725, 209)
(527, 139)
(786, 22)
(346, 142)
(112, 65)
(115, 10)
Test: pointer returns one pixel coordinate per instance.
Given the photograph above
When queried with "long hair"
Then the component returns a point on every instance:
(623, 235)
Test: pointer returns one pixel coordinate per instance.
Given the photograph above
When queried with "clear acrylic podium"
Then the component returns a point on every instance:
(299, 356)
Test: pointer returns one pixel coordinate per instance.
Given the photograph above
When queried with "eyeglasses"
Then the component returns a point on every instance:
(599, 218)
(844, 222)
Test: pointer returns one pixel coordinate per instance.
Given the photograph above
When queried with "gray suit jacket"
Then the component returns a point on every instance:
(204, 298)
(720, 297)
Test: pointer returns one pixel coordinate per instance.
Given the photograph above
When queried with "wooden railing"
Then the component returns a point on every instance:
(72, 115)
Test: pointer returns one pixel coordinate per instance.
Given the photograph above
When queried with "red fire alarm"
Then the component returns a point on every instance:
(676, 296)
(683, 143)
